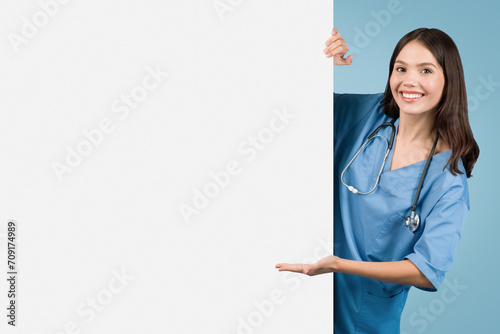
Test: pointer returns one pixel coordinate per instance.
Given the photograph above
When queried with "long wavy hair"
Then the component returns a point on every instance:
(451, 118)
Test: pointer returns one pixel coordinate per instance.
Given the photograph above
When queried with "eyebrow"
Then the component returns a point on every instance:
(421, 64)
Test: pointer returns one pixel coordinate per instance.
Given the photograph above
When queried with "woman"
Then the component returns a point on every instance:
(401, 196)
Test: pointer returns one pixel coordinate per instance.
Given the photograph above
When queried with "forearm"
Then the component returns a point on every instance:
(399, 272)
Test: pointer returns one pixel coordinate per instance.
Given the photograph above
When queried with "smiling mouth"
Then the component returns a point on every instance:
(410, 97)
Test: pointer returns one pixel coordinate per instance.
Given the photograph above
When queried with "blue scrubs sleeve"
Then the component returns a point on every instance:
(434, 252)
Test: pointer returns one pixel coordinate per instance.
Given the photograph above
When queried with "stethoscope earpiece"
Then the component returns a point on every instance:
(352, 189)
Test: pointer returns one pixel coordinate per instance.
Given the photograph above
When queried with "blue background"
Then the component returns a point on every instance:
(472, 305)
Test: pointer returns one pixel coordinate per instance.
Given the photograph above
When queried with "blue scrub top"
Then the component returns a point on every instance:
(372, 227)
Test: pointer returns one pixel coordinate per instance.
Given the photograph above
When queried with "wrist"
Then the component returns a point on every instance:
(336, 264)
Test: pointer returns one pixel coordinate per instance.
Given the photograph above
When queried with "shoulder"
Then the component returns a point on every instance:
(357, 100)
(446, 185)
(351, 109)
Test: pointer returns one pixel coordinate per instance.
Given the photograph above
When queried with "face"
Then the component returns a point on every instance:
(417, 80)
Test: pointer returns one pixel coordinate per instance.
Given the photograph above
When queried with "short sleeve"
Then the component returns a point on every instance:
(350, 109)
(434, 252)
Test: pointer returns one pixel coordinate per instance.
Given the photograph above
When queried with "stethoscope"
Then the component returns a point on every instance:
(412, 221)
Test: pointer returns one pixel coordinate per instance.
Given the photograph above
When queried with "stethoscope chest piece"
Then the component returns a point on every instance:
(412, 222)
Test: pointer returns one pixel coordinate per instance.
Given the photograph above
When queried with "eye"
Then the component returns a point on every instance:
(400, 69)
(426, 70)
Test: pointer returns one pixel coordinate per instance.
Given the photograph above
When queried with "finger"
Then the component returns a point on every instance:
(337, 47)
(334, 31)
(333, 45)
(290, 267)
(333, 39)
(340, 60)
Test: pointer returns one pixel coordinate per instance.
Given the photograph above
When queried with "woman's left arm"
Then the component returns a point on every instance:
(397, 272)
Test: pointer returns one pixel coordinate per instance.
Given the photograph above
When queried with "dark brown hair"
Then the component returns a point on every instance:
(451, 118)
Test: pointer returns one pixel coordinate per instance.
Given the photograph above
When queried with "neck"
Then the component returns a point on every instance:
(416, 128)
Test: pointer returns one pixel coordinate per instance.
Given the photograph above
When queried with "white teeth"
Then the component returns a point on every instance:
(412, 96)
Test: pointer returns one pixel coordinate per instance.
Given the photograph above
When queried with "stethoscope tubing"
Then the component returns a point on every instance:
(412, 221)
(427, 163)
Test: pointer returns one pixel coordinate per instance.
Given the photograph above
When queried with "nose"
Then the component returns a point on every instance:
(410, 79)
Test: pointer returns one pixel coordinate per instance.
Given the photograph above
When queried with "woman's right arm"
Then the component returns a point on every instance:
(349, 109)
(336, 47)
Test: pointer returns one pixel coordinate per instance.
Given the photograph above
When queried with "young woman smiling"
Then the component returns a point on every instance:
(402, 159)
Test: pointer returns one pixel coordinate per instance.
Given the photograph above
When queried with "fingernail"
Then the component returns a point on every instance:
(325, 51)
(327, 43)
